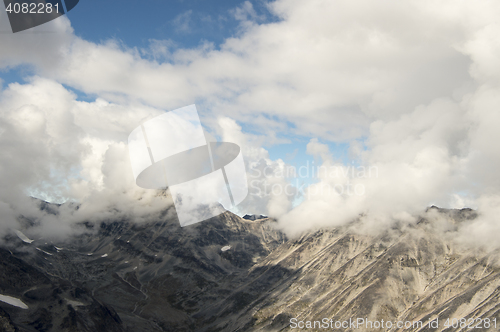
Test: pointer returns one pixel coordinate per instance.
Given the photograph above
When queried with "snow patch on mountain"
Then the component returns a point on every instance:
(13, 301)
(23, 237)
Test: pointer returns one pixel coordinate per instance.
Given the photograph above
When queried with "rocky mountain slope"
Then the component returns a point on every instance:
(235, 274)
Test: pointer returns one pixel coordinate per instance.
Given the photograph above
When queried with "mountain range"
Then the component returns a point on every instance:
(243, 274)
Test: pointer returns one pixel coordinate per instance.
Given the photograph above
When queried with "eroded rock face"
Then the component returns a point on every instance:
(50, 300)
(124, 276)
(156, 276)
(409, 274)
(6, 323)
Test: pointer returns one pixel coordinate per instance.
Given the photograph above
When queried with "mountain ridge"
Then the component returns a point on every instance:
(157, 276)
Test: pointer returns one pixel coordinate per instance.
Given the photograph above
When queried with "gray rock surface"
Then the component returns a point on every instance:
(157, 276)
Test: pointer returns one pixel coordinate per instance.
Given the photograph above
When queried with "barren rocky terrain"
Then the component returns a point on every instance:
(235, 274)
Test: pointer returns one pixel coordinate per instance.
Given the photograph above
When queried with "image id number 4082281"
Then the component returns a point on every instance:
(32, 8)
(471, 323)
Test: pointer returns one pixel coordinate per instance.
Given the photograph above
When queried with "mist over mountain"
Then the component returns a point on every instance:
(236, 274)
(410, 90)
(393, 106)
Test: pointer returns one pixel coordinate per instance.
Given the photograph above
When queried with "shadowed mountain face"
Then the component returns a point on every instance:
(235, 274)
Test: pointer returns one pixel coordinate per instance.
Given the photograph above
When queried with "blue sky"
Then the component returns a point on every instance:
(187, 24)
(415, 83)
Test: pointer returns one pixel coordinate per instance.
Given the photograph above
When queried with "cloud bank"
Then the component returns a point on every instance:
(413, 88)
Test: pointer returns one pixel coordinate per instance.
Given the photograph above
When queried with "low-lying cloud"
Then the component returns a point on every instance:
(413, 88)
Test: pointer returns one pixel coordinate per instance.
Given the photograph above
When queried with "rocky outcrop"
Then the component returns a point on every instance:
(157, 276)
